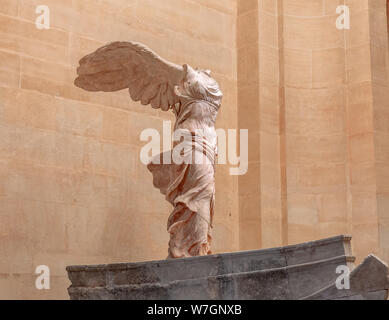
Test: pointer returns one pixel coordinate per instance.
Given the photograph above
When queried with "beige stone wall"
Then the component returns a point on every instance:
(316, 101)
(72, 187)
(316, 149)
(314, 98)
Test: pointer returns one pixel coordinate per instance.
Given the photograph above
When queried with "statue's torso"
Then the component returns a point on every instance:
(199, 117)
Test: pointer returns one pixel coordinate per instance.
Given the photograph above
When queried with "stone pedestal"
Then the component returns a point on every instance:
(304, 271)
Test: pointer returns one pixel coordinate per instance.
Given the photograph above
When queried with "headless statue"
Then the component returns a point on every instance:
(195, 98)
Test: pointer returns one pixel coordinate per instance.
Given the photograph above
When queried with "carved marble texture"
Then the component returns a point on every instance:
(195, 98)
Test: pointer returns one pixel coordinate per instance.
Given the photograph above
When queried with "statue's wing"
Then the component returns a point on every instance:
(122, 65)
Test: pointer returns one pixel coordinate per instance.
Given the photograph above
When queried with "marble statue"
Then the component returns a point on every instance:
(195, 98)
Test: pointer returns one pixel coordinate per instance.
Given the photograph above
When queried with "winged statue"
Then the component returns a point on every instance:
(195, 98)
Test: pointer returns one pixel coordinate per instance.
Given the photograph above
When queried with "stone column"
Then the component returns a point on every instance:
(272, 124)
(248, 118)
(262, 192)
(378, 26)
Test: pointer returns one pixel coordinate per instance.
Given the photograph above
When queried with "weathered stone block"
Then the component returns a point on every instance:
(293, 272)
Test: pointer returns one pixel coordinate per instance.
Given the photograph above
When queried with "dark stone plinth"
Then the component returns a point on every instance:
(306, 270)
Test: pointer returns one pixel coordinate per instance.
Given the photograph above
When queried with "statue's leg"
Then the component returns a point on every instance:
(190, 233)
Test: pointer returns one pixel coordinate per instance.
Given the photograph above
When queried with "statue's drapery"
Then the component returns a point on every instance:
(190, 186)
